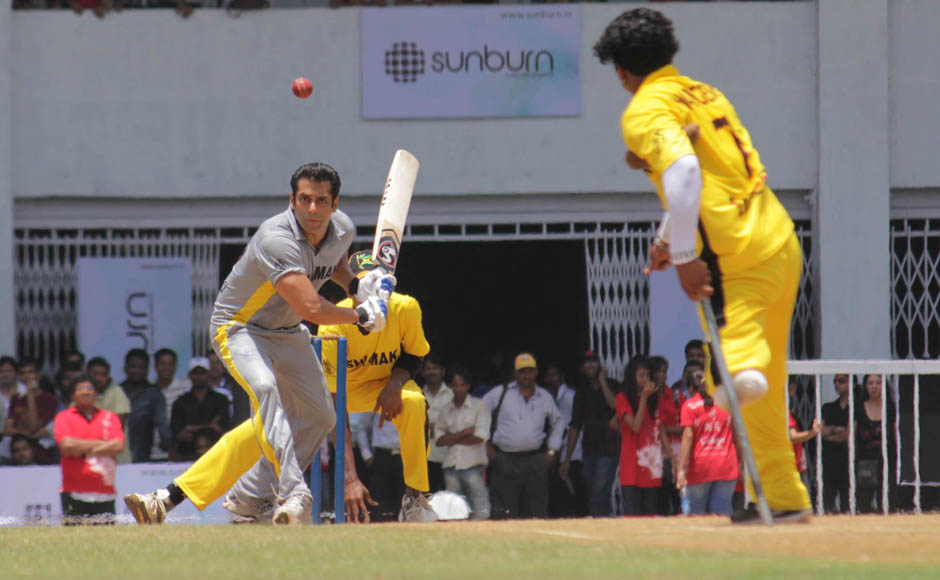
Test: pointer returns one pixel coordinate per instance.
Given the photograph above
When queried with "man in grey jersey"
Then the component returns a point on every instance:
(257, 333)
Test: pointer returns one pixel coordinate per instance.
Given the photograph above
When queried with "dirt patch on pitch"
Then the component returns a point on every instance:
(890, 539)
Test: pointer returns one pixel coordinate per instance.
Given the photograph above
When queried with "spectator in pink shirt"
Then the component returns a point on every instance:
(89, 438)
(708, 460)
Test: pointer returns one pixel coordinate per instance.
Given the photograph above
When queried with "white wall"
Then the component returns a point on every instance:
(914, 84)
(146, 104)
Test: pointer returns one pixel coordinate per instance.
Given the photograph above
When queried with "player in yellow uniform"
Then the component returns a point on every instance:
(379, 375)
(731, 240)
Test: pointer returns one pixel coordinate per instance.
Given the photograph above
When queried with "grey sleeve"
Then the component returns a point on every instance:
(277, 255)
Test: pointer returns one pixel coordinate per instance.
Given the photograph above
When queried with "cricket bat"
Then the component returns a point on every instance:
(393, 211)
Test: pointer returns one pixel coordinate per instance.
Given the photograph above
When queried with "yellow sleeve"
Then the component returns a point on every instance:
(652, 129)
(413, 340)
(328, 357)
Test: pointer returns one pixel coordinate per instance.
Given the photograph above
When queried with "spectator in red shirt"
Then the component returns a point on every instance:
(641, 453)
(708, 461)
(798, 437)
(89, 439)
(667, 502)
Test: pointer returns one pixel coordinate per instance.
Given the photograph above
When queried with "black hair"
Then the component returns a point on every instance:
(694, 343)
(69, 353)
(631, 389)
(316, 172)
(164, 352)
(639, 41)
(137, 353)
(692, 363)
(464, 373)
(98, 361)
(657, 362)
(27, 361)
(7, 360)
(433, 357)
(702, 389)
(76, 380)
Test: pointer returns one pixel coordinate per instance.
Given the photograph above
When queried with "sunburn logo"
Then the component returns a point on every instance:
(405, 62)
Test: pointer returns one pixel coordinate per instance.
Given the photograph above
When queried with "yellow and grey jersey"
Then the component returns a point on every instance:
(278, 247)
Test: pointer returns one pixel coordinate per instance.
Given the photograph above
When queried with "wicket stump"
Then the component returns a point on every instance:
(339, 448)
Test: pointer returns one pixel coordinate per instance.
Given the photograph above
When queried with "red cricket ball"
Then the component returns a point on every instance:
(302, 87)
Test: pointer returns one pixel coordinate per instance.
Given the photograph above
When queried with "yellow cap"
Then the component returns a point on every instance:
(525, 361)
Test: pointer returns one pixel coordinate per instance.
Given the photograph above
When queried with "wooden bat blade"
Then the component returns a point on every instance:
(393, 211)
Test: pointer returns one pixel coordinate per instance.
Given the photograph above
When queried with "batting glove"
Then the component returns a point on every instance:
(376, 284)
(372, 314)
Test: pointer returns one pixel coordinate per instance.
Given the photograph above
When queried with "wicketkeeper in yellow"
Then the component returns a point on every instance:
(727, 234)
(379, 375)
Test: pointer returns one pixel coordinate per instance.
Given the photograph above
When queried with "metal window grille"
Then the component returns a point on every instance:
(915, 296)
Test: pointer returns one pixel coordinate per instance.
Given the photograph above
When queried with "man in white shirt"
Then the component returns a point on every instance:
(525, 436)
(461, 430)
(438, 395)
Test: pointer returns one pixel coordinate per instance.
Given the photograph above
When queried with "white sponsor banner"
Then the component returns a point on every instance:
(31, 494)
(126, 303)
(674, 321)
(471, 61)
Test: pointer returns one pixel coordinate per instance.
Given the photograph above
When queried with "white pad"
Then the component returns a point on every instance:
(750, 386)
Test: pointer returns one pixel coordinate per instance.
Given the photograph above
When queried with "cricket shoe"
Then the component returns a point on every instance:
(251, 511)
(750, 516)
(147, 508)
(417, 508)
(294, 511)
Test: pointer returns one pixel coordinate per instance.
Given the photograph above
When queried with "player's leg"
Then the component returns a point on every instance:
(758, 306)
(413, 437)
(412, 433)
(306, 412)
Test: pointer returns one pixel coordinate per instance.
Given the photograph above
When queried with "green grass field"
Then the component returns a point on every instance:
(617, 548)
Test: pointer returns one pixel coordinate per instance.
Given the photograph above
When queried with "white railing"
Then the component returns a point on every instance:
(885, 368)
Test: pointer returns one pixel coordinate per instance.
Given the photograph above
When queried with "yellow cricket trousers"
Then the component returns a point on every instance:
(757, 306)
(411, 424)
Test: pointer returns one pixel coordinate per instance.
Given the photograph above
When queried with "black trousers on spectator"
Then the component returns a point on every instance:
(833, 488)
(667, 501)
(638, 501)
(519, 485)
(386, 484)
(91, 513)
(563, 502)
(436, 476)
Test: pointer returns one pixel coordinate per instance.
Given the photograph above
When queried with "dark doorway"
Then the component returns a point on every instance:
(483, 298)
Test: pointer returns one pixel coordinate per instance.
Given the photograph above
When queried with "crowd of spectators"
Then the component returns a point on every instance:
(185, 8)
(524, 443)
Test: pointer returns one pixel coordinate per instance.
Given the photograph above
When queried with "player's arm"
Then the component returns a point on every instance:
(388, 404)
(684, 452)
(343, 274)
(300, 294)
(653, 130)
(357, 496)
